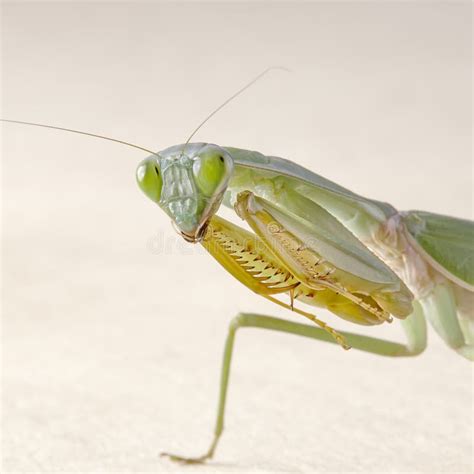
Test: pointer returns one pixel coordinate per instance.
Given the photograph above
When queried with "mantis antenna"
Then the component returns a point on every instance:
(33, 124)
(138, 147)
(231, 98)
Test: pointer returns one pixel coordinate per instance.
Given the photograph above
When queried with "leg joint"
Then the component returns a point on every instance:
(241, 320)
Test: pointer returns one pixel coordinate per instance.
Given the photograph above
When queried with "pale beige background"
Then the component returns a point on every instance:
(113, 328)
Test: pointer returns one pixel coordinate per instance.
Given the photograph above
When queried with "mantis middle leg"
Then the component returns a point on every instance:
(414, 326)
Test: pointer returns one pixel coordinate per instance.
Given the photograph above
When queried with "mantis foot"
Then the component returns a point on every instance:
(197, 460)
(183, 460)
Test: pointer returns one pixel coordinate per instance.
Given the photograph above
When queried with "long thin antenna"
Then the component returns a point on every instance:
(33, 124)
(244, 88)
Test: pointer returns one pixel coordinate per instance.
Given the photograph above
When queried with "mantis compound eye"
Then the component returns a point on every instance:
(211, 171)
(149, 178)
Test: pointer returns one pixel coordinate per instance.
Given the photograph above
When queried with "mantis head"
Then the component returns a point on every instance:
(188, 183)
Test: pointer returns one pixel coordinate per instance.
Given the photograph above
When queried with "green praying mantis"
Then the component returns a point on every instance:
(314, 243)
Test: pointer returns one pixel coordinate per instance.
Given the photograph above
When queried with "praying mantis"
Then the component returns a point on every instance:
(314, 243)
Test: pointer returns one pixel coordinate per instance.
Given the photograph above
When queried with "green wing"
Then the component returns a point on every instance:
(447, 240)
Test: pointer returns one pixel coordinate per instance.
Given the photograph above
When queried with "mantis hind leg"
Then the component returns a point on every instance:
(414, 326)
(450, 313)
(465, 305)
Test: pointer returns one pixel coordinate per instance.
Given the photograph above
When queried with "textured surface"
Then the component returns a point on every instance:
(113, 328)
